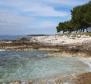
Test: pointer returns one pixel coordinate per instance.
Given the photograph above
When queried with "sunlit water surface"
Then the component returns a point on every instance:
(27, 65)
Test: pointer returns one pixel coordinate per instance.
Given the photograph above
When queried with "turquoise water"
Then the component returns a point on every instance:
(36, 64)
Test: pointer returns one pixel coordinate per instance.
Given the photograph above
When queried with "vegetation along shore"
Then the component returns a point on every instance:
(73, 39)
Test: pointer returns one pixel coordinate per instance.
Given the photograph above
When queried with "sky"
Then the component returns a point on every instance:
(19, 17)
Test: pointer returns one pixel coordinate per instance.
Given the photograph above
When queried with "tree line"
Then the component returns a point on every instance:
(80, 19)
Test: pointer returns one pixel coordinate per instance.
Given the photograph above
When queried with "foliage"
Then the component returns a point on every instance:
(81, 19)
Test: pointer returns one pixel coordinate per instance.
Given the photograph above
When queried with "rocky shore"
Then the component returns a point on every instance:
(79, 45)
(84, 78)
(53, 43)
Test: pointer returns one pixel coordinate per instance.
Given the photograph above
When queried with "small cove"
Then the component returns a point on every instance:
(32, 65)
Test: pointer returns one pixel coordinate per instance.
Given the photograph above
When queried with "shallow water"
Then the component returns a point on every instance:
(36, 64)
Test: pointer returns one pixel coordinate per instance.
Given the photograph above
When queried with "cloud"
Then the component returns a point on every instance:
(8, 18)
(66, 2)
(41, 7)
(34, 16)
(13, 24)
(34, 8)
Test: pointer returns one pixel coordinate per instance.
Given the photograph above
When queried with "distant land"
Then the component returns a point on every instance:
(14, 37)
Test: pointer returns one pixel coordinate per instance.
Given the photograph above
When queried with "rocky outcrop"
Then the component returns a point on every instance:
(61, 40)
(57, 43)
(66, 43)
(84, 78)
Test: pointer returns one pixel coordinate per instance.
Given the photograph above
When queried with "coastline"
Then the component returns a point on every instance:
(54, 43)
(55, 46)
(60, 79)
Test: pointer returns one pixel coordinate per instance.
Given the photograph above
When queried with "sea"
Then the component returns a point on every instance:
(10, 37)
(35, 64)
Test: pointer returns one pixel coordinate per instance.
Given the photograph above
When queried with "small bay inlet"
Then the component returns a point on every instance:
(32, 65)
